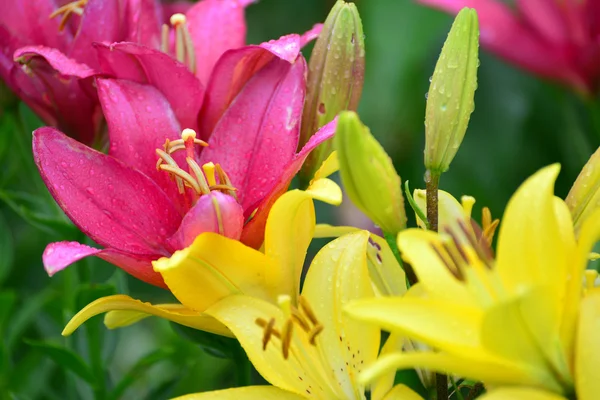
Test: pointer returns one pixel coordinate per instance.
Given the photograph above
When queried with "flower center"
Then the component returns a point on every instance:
(184, 47)
(303, 317)
(200, 180)
(67, 11)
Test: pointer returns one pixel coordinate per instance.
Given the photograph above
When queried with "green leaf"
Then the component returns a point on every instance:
(215, 345)
(27, 312)
(7, 302)
(139, 369)
(65, 358)
(6, 249)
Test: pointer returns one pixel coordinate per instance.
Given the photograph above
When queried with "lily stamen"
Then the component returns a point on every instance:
(187, 179)
(204, 188)
(171, 162)
(184, 46)
(67, 11)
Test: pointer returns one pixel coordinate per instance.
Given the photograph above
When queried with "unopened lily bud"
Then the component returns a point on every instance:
(335, 78)
(368, 174)
(584, 197)
(450, 100)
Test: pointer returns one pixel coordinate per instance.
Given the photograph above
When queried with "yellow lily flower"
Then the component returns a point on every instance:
(521, 319)
(214, 266)
(309, 348)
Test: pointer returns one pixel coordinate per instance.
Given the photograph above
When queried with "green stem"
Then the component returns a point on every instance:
(411, 277)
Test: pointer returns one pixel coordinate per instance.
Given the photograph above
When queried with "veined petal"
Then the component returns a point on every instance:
(240, 313)
(141, 64)
(117, 206)
(587, 358)
(449, 327)
(181, 315)
(101, 21)
(215, 27)
(214, 212)
(497, 370)
(144, 18)
(530, 246)
(214, 267)
(258, 134)
(248, 392)
(139, 121)
(56, 59)
(512, 393)
(59, 255)
(417, 248)
(233, 71)
(402, 392)
(252, 235)
(338, 275)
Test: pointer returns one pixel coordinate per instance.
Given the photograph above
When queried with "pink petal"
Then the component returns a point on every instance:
(54, 87)
(29, 21)
(258, 135)
(144, 20)
(101, 21)
(215, 212)
(234, 69)
(113, 204)
(139, 120)
(545, 17)
(311, 35)
(60, 255)
(144, 65)
(254, 230)
(215, 27)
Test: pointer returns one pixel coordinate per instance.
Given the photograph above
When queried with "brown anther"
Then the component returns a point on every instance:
(450, 265)
(67, 11)
(307, 310)
(457, 244)
(286, 338)
(225, 188)
(312, 335)
(299, 319)
(268, 331)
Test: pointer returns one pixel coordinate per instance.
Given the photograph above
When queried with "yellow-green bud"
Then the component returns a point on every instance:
(335, 78)
(368, 174)
(450, 100)
(584, 197)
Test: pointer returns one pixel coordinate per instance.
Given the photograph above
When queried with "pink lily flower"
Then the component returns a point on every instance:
(139, 212)
(558, 40)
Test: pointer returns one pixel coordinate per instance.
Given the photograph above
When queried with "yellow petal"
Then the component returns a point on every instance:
(240, 313)
(520, 394)
(328, 167)
(172, 312)
(438, 323)
(416, 247)
(587, 359)
(338, 275)
(330, 231)
(530, 247)
(326, 191)
(402, 392)
(588, 236)
(382, 386)
(385, 272)
(524, 329)
(450, 211)
(445, 363)
(215, 266)
(248, 392)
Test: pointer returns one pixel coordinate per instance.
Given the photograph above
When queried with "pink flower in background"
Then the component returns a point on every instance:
(139, 210)
(556, 39)
(47, 58)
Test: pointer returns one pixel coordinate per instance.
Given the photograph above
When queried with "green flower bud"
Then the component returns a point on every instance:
(368, 174)
(335, 78)
(450, 99)
(584, 197)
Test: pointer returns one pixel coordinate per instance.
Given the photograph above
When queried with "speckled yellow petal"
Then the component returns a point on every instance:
(385, 272)
(240, 393)
(338, 275)
(512, 393)
(587, 358)
(215, 266)
(134, 310)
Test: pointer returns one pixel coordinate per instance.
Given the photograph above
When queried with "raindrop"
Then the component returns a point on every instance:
(426, 95)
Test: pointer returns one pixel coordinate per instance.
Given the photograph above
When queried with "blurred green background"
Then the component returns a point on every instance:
(519, 125)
